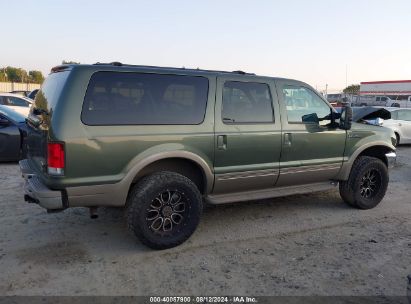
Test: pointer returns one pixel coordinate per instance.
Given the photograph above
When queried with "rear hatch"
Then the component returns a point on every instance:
(40, 117)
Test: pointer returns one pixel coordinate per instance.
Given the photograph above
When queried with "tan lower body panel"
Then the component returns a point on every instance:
(307, 174)
(248, 180)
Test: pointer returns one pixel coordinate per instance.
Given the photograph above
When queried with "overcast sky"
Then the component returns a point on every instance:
(313, 41)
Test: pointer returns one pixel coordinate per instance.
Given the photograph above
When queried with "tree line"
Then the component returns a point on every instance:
(12, 74)
(352, 89)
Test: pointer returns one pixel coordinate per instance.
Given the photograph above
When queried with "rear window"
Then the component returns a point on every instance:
(118, 98)
(47, 96)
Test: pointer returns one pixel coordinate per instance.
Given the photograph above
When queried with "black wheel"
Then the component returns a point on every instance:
(164, 209)
(397, 139)
(367, 183)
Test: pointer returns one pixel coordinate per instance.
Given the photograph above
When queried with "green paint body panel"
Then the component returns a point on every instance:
(255, 155)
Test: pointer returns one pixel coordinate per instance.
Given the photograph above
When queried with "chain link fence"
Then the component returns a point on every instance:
(15, 86)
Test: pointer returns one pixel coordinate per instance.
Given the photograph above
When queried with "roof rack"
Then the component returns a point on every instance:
(116, 63)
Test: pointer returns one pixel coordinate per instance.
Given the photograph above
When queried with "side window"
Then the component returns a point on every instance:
(14, 101)
(377, 99)
(246, 102)
(115, 98)
(2, 100)
(394, 115)
(301, 101)
(383, 98)
(404, 115)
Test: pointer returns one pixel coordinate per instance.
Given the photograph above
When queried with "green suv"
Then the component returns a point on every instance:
(161, 141)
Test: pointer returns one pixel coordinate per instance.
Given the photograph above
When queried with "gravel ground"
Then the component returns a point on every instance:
(298, 245)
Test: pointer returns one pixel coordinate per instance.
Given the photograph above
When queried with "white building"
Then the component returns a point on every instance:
(396, 89)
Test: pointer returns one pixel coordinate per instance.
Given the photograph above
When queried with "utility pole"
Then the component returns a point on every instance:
(346, 75)
(326, 90)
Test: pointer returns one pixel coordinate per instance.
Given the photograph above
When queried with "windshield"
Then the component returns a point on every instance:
(13, 115)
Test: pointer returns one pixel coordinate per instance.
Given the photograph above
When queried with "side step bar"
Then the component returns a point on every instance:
(268, 193)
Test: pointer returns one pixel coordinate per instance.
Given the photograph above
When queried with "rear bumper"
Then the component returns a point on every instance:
(391, 159)
(36, 192)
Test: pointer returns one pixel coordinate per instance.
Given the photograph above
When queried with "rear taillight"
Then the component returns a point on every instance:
(55, 158)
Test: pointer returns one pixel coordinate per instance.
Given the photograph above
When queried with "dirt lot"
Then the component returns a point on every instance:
(300, 245)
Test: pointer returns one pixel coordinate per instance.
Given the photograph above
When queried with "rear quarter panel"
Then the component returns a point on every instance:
(105, 154)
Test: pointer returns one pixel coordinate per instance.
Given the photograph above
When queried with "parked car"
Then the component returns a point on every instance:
(17, 103)
(161, 141)
(13, 131)
(400, 103)
(400, 123)
(20, 92)
(383, 101)
(33, 94)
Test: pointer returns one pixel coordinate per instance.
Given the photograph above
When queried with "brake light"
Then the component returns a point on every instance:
(55, 158)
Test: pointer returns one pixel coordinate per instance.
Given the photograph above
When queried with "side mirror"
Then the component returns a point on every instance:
(346, 118)
(4, 122)
(310, 118)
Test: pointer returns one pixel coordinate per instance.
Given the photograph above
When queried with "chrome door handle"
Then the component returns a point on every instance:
(287, 139)
(222, 142)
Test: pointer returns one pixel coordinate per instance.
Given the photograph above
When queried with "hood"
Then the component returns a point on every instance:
(370, 113)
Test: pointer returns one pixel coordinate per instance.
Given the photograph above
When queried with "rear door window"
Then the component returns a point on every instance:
(247, 102)
(120, 98)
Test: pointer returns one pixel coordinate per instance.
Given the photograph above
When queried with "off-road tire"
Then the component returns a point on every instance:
(351, 190)
(146, 193)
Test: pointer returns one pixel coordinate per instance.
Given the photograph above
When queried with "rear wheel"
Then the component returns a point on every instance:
(164, 209)
(367, 183)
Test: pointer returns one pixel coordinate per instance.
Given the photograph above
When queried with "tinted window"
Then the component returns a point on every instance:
(115, 98)
(404, 115)
(394, 114)
(14, 101)
(246, 102)
(47, 96)
(301, 101)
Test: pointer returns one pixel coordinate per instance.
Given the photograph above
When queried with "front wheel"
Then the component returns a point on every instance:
(367, 183)
(164, 209)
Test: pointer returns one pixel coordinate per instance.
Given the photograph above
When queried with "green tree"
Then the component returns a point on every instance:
(352, 89)
(16, 74)
(36, 76)
(12, 74)
(3, 75)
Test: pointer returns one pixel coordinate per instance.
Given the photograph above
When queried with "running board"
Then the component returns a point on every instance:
(225, 198)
